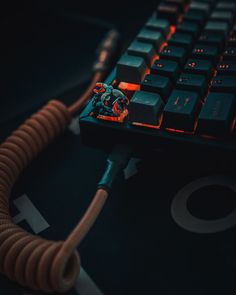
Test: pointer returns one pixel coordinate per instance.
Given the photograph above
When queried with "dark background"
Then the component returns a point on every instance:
(135, 247)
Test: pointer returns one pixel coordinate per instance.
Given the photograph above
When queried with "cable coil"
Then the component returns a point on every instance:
(32, 261)
(29, 260)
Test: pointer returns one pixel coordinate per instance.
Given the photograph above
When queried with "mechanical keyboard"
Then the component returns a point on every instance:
(179, 78)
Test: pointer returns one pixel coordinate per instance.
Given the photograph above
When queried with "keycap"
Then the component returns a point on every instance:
(230, 53)
(188, 27)
(217, 27)
(179, 3)
(222, 83)
(131, 69)
(227, 68)
(225, 16)
(181, 110)
(152, 37)
(157, 84)
(168, 11)
(199, 8)
(174, 53)
(161, 25)
(181, 40)
(192, 16)
(226, 6)
(214, 39)
(199, 67)
(144, 50)
(217, 114)
(208, 52)
(210, 2)
(232, 38)
(167, 68)
(192, 82)
(145, 107)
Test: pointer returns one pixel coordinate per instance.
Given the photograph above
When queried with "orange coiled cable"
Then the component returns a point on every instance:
(27, 259)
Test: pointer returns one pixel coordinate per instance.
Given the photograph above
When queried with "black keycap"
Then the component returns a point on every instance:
(166, 68)
(131, 69)
(217, 27)
(179, 3)
(199, 66)
(208, 52)
(168, 11)
(161, 25)
(227, 68)
(225, 16)
(192, 16)
(145, 50)
(232, 38)
(230, 53)
(157, 84)
(226, 6)
(191, 82)
(181, 110)
(189, 28)
(152, 37)
(174, 53)
(212, 39)
(200, 8)
(181, 40)
(223, 83)
(145, 107)
(217, 114)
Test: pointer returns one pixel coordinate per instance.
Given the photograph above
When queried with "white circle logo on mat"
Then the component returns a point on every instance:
(186, 220)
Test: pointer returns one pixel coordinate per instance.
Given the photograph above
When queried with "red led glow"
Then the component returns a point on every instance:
(146, 125)
(179, 131)
(128, 86)
(119, 119)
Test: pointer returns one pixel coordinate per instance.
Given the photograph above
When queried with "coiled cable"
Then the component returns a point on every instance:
(30, 260)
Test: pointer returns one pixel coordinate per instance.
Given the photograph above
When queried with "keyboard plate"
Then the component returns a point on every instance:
(104, 134)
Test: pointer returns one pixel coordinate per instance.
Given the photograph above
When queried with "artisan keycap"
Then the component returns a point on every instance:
(199, 8)
(145, 50)
(217, 114)
(131, 69)
(149, 36)
(208, 52)
(181, 110)
(227, 68)
(145, 107)
(174, 53)
(188, 27)
(223, 83)
(161, 25)
(212, 39)
(191, 82)
(225, 16)
(157, 84)
(168, 11)
(192, 16)
(217, 27)
(230, 53)
(181, 40)
(166, 68)
(199, 66)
